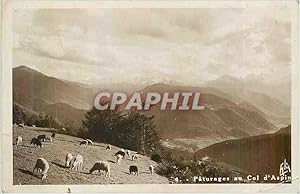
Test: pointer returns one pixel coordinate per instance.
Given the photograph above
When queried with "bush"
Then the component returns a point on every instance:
(181, 168)
(73, 128)
(156, 157)
(28, 117)
(18, 114)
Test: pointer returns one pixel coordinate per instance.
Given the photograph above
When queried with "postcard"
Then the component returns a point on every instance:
(150, 96)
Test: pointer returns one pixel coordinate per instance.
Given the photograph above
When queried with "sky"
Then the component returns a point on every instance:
(138, 46)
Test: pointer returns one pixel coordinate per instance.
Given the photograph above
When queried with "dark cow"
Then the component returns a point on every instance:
(53, 135)
(120, 153)
(42, 137)
(108, 147)
(85, 142)
(90, 142)
(36, 142)
(133, 170)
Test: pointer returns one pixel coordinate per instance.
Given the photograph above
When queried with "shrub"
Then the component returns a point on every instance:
(156, 157)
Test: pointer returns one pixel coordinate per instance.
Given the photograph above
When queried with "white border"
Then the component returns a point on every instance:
(6, 99)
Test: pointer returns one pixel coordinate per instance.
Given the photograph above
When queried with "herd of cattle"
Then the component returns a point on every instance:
(76, 162)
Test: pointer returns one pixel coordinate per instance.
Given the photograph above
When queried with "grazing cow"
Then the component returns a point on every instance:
(108, 147)
(90, 142)
(84, 142)
(119, 158)
(128, 153)
(42, 137)
(134, 157)
(48, 138)
(36, 142)
(151, 168)
(33, 126)
(101, 165)
(133, 170)
(122, 153)
(69, 158)
(19, 140)
(77, 163)
(41, 166)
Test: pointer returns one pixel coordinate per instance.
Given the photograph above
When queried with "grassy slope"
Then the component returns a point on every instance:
(55, 152)
(261, 154)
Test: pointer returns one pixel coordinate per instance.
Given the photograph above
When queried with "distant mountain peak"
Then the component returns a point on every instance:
(24, 68)
(30, 84)
(160, 85)
(228, 78)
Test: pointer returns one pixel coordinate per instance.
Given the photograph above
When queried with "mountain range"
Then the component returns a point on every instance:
(272, 100)
(226, 115)
(30, 86)
(221, 117)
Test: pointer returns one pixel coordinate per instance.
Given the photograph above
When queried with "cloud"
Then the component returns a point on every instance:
(133, 45)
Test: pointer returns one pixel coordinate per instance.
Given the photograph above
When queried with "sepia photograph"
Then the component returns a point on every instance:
(150, 94)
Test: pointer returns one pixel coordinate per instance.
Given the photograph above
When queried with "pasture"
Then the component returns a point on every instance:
(25, 156)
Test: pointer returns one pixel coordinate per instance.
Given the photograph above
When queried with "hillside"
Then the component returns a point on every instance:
(27, 111)
(279, 89)
(264, 97)
(62, 111)
(221, 118)
(250, 107)
(266, 152)
(55, 152)
(30, 85)
(209, 95)
(250, 122)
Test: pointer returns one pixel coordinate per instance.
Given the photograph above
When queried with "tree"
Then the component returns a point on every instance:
(33, 120)
(45, 120)
(134, 130)
(18, 114)
(143, 129)
(102, 124)
(73, 128)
